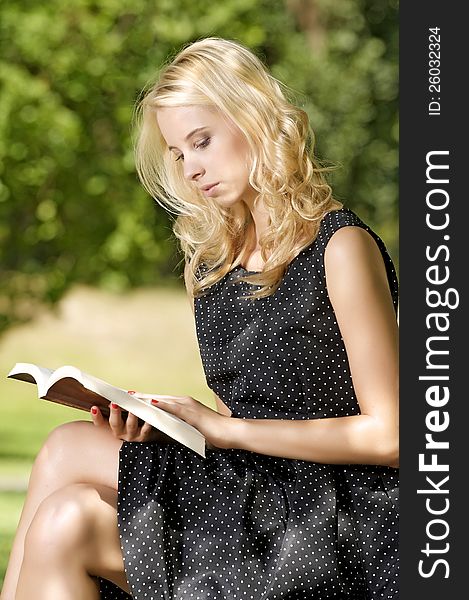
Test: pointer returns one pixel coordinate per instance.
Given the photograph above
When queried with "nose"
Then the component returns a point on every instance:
(192, 170)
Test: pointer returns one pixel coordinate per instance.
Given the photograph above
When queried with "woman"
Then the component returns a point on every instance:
(295, 302)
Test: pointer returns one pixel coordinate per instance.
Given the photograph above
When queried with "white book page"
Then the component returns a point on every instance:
(32, 374)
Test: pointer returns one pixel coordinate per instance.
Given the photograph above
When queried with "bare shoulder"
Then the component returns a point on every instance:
(350, 241)
(356, 277)
(354, 251)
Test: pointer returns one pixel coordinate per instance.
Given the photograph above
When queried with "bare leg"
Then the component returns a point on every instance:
(72, 539)
(76, 452)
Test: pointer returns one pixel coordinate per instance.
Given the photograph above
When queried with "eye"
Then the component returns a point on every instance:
(203, 144)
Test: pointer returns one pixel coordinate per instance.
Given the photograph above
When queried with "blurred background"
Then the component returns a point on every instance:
(90, 274)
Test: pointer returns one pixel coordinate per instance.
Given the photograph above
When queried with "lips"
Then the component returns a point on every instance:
(205, 188)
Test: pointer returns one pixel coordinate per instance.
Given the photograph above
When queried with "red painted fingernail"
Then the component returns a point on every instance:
(114, 405)
(94, 410)
(153, 401)
(131, 391)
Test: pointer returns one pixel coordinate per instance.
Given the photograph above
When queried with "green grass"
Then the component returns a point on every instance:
(11, 504)
(144, 340)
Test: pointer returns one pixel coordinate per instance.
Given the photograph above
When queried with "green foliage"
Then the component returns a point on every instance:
(71, 208)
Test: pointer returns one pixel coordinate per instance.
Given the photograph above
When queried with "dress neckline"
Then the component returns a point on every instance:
(241, 268)
(303, 251)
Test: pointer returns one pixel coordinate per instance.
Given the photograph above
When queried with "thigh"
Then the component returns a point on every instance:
(105, 558)
(80, 452)
(78, 522)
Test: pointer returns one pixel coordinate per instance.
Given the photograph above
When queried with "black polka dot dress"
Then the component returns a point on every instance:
(239, 525)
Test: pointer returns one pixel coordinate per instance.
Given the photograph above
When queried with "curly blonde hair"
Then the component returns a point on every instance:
(220, 73)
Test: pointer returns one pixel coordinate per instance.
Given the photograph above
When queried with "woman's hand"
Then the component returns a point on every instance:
(128, 430)
(211, 424)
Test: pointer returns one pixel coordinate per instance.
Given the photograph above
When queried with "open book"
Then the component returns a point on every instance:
(72, 387)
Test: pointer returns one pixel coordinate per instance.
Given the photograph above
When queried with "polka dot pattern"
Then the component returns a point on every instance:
(239, 525)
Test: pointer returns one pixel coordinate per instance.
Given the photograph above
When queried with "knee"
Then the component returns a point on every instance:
(54, 449)
(63, 522)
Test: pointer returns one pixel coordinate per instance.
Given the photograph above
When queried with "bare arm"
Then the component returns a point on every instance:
(359, 292)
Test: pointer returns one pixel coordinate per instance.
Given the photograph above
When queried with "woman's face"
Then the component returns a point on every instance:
(211, 151)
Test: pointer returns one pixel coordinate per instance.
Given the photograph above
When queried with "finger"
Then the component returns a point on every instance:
(131, 424)
(146, 429)
(148, 433)
(97, 417)
(115, 419)
(170, 402)
(155, 435)
(159, 403)
(175, 408)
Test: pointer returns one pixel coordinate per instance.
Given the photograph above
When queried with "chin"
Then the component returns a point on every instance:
(229, 202)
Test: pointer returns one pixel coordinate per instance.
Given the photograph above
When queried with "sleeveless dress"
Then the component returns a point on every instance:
(239, 525)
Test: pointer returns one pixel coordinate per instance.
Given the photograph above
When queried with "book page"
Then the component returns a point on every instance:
(31, 374)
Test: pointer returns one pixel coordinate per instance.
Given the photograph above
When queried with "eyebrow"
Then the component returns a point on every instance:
(189, 135)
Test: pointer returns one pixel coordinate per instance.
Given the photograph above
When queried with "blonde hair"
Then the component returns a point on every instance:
(214, 72)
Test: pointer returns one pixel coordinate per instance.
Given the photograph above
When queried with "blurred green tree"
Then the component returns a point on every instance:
(71, 208)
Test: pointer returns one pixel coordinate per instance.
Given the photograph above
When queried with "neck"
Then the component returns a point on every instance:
(260, 222)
